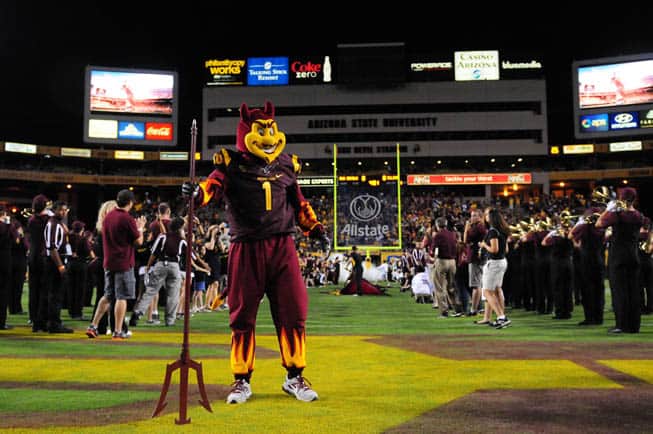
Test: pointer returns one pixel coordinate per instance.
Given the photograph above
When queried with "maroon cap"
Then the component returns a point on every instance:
(39, 203)
(628, 194)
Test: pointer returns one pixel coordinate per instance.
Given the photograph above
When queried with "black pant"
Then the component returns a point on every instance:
(76, 286)
(18, 268)
(5, 278)
(52, 296)
(561, 275)
(357, 278)
(646, 282)
(593, 289)
(36, 290)
(529, 284)
(543, 291)
(627, 296)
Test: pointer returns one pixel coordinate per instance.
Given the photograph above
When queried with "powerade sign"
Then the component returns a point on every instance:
(267, 71)
(131, 130)
(624, 120)
(590, 123)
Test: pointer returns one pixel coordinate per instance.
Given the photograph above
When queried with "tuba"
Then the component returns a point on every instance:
(605, 195)
(601, 195)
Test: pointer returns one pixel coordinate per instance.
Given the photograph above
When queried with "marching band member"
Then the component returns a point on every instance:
(623, 261)
(591, 243)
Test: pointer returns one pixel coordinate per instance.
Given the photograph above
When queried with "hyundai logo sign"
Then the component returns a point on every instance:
(624, 120)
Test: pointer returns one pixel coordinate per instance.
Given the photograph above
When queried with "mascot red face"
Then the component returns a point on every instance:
(258, 133)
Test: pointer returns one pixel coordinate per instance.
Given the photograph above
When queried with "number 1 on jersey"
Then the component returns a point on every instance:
(268, 195)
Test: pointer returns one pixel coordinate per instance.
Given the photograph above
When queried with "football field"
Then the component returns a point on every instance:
(379, 364)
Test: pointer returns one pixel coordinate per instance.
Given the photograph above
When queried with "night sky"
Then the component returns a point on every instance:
(44, 48)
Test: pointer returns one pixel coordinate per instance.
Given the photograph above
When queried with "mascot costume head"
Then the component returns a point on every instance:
(258, 133)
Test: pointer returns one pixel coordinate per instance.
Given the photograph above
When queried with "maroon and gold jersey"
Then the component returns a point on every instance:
(261, 199)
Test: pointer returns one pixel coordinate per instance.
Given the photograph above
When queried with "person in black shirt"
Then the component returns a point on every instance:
(77, 269)
(8, 237)
(163, 269)
(623, 261)
(495, 243)
(54, 269)
(561, 270)
(18, 269)
(357, 270)
(36, 257)
(591, 243)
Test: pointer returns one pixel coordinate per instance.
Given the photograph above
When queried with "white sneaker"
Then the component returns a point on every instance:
(300, 387)
(240, 392)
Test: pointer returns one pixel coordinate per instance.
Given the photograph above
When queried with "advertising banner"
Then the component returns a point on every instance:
(267, 71)
(367, 216)
(367, 211)
(131, 130)
(595, 122)
(476, 65)
(470, 179)
(224, 72)
(309, 70)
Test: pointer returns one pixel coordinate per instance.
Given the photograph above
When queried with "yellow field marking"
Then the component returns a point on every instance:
(363, 386)
(637, 368)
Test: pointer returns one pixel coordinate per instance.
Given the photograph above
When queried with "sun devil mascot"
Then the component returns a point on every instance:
(258, 183)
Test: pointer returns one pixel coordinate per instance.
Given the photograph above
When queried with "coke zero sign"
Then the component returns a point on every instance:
(306, 70)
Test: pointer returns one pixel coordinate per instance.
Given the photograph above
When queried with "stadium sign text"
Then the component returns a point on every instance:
(533, 64)
(429, 121)
(354, 230)
(470, 179)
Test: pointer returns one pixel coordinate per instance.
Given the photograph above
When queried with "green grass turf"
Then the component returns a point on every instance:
(329, 314)
(394, 314)
(27, 401)
(87, 348)
(399, 314)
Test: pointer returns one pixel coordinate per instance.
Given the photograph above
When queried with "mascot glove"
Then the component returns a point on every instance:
(612, 206)
(190, 188)
(318, 233)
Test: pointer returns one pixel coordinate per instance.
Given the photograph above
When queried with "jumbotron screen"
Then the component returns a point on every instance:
(613, 97)
(130, 106)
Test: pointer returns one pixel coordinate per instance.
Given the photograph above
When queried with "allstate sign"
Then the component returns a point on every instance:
(267, 71)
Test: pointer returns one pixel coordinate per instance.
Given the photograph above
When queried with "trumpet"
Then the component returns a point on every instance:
(592, 218)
